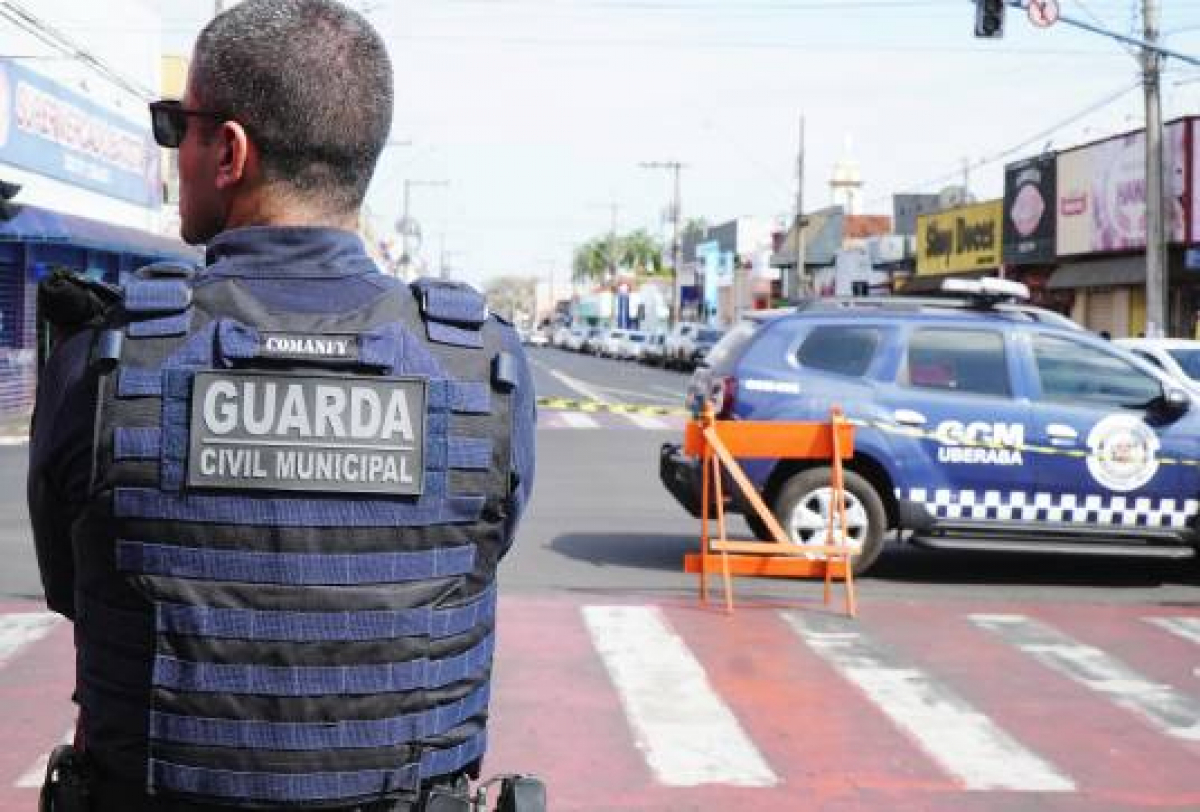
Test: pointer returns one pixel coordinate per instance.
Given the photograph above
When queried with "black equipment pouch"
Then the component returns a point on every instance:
(521, 793)
(66, 788)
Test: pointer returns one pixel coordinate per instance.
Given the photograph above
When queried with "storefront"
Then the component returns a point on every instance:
(86, 195)
(1101, 232)
(32, 244)
(959, 242)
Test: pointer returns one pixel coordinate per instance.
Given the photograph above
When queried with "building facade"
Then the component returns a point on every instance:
(83, 175)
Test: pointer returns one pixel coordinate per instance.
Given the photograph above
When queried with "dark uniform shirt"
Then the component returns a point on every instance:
(302, 269)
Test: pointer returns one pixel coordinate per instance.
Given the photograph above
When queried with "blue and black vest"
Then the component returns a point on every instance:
(286, 572)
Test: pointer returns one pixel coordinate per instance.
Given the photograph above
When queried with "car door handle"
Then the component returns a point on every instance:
(907, 417)
(1061, 435)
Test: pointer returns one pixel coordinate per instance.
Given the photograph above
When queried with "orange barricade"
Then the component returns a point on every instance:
(719, 443)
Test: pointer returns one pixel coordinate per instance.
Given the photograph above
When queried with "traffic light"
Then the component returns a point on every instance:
(989, 18)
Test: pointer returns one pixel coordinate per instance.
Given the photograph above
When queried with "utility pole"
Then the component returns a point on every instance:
(1157, 275)
(406, 225)
(801, 235)
(612, 242)
(676, 210)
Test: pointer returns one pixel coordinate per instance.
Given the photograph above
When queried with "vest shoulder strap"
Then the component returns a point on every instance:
(454, 312)
(159, 289)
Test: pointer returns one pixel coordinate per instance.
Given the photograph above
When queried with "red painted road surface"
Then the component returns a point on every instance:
(1112, 739)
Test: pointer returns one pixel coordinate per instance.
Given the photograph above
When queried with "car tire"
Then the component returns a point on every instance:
(802, 508)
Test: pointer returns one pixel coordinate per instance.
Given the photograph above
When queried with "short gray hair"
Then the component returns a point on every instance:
(311, 82)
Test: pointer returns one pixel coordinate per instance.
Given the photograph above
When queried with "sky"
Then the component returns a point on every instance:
(537, 114)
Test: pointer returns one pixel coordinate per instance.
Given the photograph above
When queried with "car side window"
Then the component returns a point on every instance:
(844, 349)
(1077, 373)
(967, 361)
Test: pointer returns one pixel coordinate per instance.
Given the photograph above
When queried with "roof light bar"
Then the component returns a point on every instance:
(987, 288)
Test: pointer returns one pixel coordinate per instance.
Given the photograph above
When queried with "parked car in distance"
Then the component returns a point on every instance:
(592, 340)
(705, 340)
(561, 337)
(677, 350)
(654, 350)
(1179, 357)
(630, 345)
(575, 339)
(610, 345)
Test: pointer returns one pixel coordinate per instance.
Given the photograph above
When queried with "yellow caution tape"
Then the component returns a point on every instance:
(573, 405)
(593, 406)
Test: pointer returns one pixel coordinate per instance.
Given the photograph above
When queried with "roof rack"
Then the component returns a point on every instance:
(928, 304)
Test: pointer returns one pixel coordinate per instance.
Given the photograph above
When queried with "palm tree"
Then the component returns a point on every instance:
(591, 261)
(641, 252)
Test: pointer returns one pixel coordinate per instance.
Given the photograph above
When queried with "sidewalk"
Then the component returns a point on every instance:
(14, 430)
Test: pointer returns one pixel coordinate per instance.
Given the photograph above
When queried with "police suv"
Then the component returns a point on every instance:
(981, 423)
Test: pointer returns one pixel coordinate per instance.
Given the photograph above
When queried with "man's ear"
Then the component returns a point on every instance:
(236, 155)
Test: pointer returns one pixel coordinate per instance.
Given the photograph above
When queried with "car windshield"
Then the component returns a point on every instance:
(637, 338)
(1188, 360)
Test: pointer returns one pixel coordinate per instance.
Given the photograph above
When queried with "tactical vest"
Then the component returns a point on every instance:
(285, 575)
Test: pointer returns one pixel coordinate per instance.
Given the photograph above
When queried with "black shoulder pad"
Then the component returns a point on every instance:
(72, 302)
(448, 301)
(165, 270)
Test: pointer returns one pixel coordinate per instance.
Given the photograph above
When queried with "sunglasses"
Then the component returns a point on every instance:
(169, 120)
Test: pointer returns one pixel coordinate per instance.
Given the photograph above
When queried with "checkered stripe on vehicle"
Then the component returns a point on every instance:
(1127, 511)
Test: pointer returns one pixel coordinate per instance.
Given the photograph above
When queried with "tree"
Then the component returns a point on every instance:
(694, 230)
(641, 252)
(598, 259)
(513, 297)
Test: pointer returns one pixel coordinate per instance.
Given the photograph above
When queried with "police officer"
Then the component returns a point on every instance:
(272, 494)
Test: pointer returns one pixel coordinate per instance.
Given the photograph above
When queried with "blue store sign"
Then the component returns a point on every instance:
(56, 132)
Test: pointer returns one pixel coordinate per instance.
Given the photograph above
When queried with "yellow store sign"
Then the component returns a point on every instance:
(962, 239)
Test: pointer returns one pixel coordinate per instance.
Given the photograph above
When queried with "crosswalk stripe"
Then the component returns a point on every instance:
(579, 420)
(1169, 710)
(648, 421)
(965, 742)
(687, 733)
(19, 629)
(36, 774)
(1186, 627)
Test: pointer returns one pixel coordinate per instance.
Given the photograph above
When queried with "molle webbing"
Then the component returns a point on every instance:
(266, 633)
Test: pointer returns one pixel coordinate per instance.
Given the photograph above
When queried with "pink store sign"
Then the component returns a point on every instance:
(1102, 193)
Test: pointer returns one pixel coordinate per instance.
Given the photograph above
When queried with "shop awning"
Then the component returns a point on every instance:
(35, 224)
(1100, 273)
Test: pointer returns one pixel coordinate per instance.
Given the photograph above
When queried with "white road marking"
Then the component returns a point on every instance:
(36, 774)
(675, 400)
(579, 420)
(1186, 627)
(19, 629)
(688, 735)
(646, 421)
(577, 385)
(965, 742)
(1169, 710)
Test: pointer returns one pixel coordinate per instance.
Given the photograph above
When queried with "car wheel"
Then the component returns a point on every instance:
(803, 505)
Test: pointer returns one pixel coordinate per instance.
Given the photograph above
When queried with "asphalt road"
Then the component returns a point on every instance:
(600, 521)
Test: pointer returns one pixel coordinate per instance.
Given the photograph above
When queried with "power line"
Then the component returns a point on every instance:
(1041, 135)
(29, 22)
